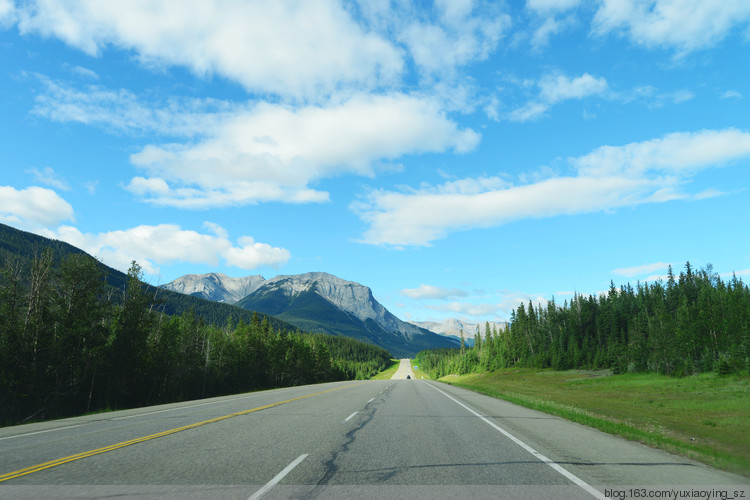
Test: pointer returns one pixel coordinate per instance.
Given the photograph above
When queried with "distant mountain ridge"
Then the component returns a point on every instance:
(319, 301)
(452, 328)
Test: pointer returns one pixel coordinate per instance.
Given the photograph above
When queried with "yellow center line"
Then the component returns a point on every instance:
(72, 458)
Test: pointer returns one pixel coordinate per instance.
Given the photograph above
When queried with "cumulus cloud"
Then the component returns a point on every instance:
(237, 154)
(301, 50)
(151, 246)
(33, 207)
(555, 88)
(273, 152)
(459, 35)
(684, 25)
(432, 292)
(323, 84)
(609, 177)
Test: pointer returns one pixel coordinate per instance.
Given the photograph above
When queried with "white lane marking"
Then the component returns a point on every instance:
(370, 401)
(572, 477)
(183, 407)
(278, 477)
(41, 432)
(350, 417)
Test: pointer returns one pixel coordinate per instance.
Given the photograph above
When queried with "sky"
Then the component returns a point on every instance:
(457, 157)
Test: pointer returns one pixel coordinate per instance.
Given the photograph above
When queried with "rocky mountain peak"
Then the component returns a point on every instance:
(216, 286)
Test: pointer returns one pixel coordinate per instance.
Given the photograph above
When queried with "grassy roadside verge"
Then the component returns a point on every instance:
(388, 372)
(704, 417)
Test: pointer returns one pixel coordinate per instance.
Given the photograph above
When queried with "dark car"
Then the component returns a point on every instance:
(408, 377)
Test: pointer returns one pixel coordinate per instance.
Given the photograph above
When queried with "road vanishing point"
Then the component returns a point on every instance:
(363, 439)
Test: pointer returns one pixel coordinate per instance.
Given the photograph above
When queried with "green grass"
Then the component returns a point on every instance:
(704, 417)
(388, 372)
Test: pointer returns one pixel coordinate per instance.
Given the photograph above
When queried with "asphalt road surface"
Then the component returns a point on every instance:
(404, 369)
(367, 439)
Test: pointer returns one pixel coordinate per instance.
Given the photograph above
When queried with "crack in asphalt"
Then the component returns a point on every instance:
(368, 413)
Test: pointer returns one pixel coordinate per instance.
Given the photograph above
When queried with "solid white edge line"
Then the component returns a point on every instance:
(184, 407)
(350, 417)
(569, 475)
(278, 477)
(41, 432)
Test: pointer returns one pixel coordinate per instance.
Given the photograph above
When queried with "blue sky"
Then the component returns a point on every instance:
(457, 157)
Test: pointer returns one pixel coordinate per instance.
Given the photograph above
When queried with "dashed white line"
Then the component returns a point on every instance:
(350, 417)
(370, 401)
(278, 477)
(572, 477)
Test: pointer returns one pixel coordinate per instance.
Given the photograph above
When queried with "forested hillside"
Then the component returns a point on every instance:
(71, 343)
(696, 322)
(22, 248)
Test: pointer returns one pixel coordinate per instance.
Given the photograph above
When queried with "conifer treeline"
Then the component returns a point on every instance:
(68, 346)
(693, 323)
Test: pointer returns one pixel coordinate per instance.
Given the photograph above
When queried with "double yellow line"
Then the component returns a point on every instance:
(90, 453)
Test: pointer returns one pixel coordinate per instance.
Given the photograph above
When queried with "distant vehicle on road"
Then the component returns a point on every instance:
(408, 377)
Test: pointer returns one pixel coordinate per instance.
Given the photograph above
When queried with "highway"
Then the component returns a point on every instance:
(362, 439)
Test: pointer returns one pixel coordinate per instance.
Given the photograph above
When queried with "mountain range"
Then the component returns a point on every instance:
(313, 302)
(453, 327)
(317, 302)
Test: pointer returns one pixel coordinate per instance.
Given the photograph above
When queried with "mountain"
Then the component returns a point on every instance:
(23, 246)
(452, 328)
(216, 286)
(321, 302)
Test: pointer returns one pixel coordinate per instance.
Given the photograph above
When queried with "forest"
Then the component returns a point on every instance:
(695, 322)
(71, 343)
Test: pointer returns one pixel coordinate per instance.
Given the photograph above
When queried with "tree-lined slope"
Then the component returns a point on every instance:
(72, 342)
(695, 322)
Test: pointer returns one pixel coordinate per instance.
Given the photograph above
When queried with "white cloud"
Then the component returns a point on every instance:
(272, 152)
(550, 27)
(7, 12)
(151, 246)
(120, 110)
(288, 48)
(432, 292)
(239, 154)
(419, 218)
(680, 153)
(33, 207)
(610, 177)
(544, 6)
(684, 25)
(47, 176)
(555, 88)
(641, 270)
(731, 94)
(461, 35)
